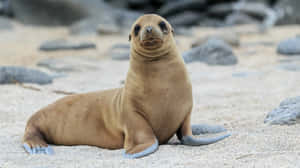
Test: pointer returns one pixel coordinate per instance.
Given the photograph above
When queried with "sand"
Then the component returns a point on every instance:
(221, 96)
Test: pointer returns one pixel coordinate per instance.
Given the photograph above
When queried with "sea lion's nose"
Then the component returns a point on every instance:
(149, 29)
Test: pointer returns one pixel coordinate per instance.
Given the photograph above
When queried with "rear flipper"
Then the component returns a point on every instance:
(34, 142)
(185, 133)
(207, 129)
(191, 141)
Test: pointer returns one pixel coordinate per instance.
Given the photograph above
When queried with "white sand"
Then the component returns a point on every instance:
(238, 103)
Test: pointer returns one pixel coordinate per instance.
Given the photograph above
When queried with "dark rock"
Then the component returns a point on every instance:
(290, 46)
(11, 74)
(254, 9)
(50, 12)
(213, 52)
(115, 21)
(228, 37)
(239, 19)
(68, 64)
(174, 7)
(120, 52)
(5, 8)
(63, 12)
(5, 24)
(287, 113)
(289, 12)
(61, 44)
(212, 22)
(186, 18)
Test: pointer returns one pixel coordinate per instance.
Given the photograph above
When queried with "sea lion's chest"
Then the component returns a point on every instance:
(167, 107)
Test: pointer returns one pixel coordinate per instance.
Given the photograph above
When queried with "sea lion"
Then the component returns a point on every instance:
(154, 104)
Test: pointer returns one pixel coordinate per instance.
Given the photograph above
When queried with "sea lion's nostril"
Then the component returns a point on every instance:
(149, 29)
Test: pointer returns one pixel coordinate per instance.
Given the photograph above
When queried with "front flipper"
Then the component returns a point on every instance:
(145, 152)
(140, 140)
(38, 150)
(191, 141)
(207, 129)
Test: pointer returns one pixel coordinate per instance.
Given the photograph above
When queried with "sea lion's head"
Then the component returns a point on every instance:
(151, 33)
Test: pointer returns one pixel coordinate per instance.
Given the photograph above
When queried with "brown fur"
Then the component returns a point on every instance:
(155, 102)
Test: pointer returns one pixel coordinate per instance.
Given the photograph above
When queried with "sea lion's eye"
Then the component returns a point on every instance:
(137, 28)
(163, 26)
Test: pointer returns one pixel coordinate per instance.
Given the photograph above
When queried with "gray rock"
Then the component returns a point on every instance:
(11, 74)
(213, 52)
(120, 52)
(5, 8)
(67, 12)
(289, 46)
(186, 18)
(5, 24)
(61, 44)
(84, 27)
(212, 22)
(287, 113)
(116, 21)
(288, 11)
(229, 37)
(290, 66)
(237, 18)
(108, 29)
(174, 7)
(258, 10)
(68, 64)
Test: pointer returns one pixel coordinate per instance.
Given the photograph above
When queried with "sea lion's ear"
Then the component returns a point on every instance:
(129, 37)
(172, 30)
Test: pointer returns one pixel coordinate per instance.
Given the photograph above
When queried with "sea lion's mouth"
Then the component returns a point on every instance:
(152, 42)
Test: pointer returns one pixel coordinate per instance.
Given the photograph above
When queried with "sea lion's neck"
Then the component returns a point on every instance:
(143, 67)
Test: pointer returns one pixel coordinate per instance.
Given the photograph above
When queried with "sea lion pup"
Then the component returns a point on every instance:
(155, 103)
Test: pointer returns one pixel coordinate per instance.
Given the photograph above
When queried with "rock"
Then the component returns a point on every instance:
(120, 52)
(116, 21)
(213, 52)
(63, 12)
(108, 29)
(61, 44)
(287, 113)
(68, 64)
(228, 37)
(212, 22)
(11, 74)
(186, 18)
(184, 31)
(84, 27)
(288, 11)
(173, 7)
(245, 74)
(258, 10)
(239, 18)
(5, 8)
(290, 66)
(289, 46)
(5, 24)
